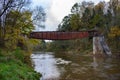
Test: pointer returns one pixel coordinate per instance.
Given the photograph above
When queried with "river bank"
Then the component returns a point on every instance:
(14, 67)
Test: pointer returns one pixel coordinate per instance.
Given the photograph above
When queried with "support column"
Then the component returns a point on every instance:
(100, 47)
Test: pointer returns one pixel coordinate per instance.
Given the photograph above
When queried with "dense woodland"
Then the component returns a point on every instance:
(104, 17)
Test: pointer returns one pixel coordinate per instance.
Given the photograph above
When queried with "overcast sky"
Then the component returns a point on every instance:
(56, 10)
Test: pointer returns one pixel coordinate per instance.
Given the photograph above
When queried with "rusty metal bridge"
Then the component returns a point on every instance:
(57, 35)
(99, 44)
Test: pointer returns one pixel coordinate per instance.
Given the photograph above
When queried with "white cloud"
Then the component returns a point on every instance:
(51, 21)
(60, 8)
(56, 10)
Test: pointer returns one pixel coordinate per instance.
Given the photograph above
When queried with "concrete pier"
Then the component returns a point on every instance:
(100, 46)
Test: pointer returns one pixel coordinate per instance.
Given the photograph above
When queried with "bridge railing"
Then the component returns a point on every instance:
(57, 35)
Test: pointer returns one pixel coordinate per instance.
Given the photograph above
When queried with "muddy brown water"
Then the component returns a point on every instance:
(60, 66)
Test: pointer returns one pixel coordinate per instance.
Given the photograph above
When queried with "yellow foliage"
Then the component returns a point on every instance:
(114, 31)
(34, 41)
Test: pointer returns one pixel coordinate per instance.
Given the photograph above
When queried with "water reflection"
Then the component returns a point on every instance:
(45, 64)
(73, 67)
(95, 64)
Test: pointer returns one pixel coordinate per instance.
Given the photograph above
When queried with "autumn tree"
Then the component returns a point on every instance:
(6, 7)
(17, 21)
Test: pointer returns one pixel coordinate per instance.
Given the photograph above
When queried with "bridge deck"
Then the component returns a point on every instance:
(56, 35)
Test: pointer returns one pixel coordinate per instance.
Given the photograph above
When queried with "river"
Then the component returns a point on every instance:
(61, 66)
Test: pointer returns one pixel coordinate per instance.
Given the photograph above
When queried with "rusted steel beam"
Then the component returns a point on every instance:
(56, 35)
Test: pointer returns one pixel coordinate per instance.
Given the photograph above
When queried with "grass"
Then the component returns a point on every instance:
(12, 67)
(14, 71)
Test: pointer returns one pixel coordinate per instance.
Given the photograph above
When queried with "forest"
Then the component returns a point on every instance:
(104, 17)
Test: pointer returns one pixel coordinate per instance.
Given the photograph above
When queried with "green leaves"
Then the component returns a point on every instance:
(75, 22)
(65, 24)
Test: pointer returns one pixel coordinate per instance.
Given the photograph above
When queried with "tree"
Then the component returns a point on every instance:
(6, 7)
(65, 24)
(75, 22)
(16, 21)
(104, 17)
(17, 25)
(38, 17)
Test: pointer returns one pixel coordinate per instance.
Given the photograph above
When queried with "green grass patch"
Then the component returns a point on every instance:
(14, 67)
(16, 70)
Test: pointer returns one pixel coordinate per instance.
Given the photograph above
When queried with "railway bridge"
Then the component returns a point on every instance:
(99, 44)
